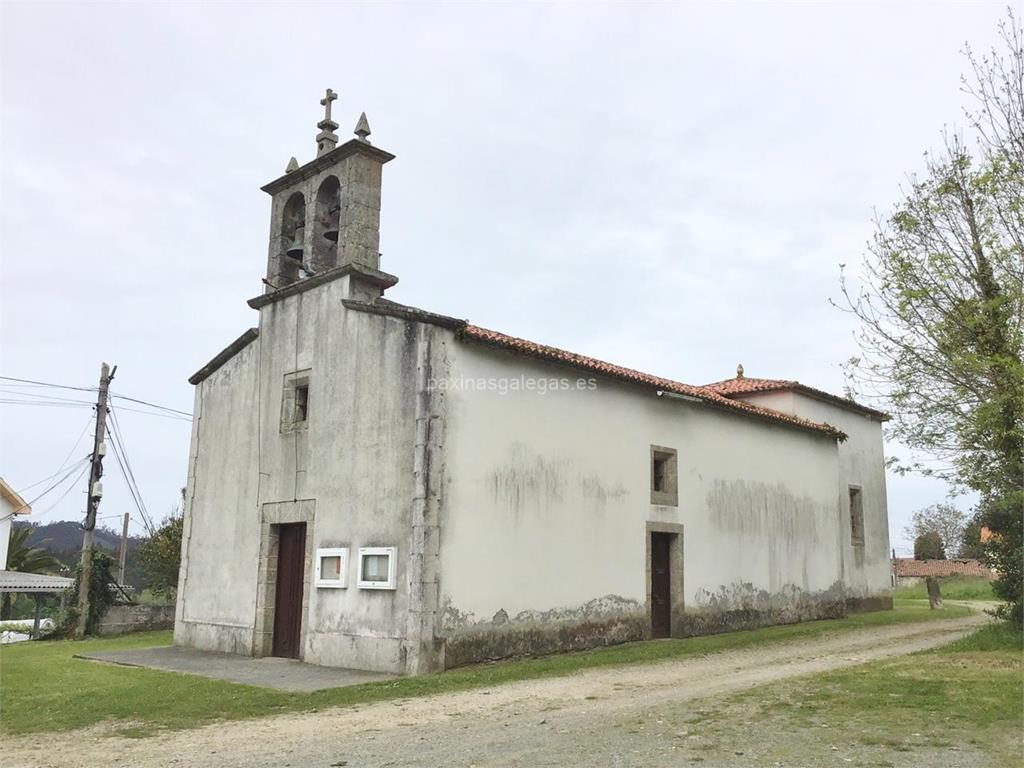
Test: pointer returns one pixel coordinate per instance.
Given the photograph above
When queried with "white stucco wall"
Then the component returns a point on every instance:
(861, 464)
(549, 496)
(220, 538)
(354, 463)
(6, 517)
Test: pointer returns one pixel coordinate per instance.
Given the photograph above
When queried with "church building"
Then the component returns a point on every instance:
(377, 486)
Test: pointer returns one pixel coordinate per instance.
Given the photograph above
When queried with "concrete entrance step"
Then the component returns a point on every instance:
(267, 672)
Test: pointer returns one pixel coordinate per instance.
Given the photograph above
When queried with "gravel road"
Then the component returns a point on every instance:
(577, 720)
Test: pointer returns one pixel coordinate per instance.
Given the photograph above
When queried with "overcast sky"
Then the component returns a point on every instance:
(668, 187)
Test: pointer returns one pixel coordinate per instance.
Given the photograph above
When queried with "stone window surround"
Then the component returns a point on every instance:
(856, 531)
(677, 593)
(668, 496)
(293, 381)
(272, 515)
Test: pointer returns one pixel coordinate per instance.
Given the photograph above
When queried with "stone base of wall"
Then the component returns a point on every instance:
(534, 639)
(542, 639)
(715, 622)
(869, 604)
(374, 654)
(207, 636)
(122, 619)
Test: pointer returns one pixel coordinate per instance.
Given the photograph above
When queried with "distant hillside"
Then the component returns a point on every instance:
(63, 540)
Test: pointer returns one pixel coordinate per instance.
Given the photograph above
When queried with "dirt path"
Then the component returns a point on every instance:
(564, 721)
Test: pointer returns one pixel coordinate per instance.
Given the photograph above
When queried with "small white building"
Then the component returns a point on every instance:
(372, 485)
(11, 505)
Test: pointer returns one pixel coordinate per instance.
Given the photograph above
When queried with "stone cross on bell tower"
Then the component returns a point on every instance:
(325, 215)
(327, 139)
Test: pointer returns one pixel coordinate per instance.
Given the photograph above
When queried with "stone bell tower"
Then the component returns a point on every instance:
(325, 214)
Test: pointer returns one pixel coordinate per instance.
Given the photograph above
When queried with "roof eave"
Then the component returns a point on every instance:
(223, 356)
(552, 354)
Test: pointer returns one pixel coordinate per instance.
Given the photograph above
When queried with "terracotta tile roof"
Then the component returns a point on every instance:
(704, 394)
(745, 385)
(907, 566)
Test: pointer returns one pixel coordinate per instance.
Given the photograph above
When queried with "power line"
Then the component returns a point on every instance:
(7, 401)
(56, 484)
(84, 404)
(53, 398)
(161, 415)
(128, 465)
(47, 384)
(124, 473)
(68, 489)
(154, 405)
(63, 463)
(121, 454)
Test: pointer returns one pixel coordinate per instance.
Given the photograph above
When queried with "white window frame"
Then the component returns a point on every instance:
(341, 583)
(392, 553)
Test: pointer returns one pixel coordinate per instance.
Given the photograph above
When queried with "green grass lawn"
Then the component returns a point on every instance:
(961, 703)
(42, 688)
(952, 588)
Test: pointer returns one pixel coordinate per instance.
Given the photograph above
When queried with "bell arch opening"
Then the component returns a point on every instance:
(326, 224)
(293, 226)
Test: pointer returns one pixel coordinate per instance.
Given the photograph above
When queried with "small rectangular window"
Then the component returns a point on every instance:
(301, 402)
(295, 401)
(856, 517)
(660, 467)
(332, 568)
(664, 474)
(377, 567)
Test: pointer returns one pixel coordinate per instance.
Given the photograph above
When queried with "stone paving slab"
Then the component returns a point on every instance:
(267, 672)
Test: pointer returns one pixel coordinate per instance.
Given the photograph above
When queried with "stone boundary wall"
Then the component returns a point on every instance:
(122, 619)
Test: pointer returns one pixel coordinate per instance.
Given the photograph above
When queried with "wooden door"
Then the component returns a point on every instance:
(661, 585)
(291, 562)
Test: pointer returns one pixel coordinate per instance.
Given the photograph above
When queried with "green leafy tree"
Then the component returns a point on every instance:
(928, 546)
(25, 559)
(941, 310)
(943, 519)
(160, 556)
(971, 545)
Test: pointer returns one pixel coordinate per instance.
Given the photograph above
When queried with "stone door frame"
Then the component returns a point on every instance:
(272, 515)
(677, 600)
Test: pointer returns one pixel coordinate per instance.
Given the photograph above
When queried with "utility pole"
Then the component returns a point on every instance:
(95, 493)
(124, 551)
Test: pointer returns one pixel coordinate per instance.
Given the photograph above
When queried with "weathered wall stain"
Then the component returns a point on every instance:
(611, 619)
(540, 640)
(452, 619)
(606, 620)
(596, 492)
(528, 479)
(455, 622)
(761, 511)
(740, 605)
(744, 596)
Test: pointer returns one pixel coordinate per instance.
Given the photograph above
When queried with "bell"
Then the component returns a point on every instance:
(331, 223)
(295, 249)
